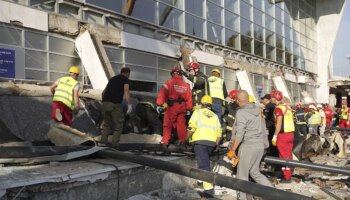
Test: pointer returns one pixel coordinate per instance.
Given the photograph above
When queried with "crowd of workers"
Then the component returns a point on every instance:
(201, 116)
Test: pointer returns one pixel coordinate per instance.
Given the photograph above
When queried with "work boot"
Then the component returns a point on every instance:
(58, 115)
(164, 148)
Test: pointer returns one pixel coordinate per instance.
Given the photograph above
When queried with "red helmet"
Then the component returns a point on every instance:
(194, 65)
(276, 94)
(233, 94)
(176, 69)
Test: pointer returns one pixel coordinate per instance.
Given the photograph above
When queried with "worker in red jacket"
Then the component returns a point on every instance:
(329, 114)
(175, 96)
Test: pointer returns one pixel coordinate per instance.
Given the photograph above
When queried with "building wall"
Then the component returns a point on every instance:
(281, 34)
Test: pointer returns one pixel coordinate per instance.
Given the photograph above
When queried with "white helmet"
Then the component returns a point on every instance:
(312, 107)
(319, 106)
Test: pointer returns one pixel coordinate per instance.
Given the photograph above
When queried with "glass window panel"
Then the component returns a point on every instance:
(61, 46)
(246, 44)
(279, 28)
(231, 21)
(258, 48)
(169, 17)
(288, 58)
(55, 76)
(245, 10)
(279, 41)
(43, 5)
(10, 36)
(288, 45)
(230, 84)
(194, 7)
(258, 32)
(194, 25)
(214, 13)
(142, 73)
(232, 39)
(258, 17)
(163, 75)
(287, 20)
(269, 7)
(270, 37)
(116, 67)
(62, 63)
(165, 63)
(176, 3)
(36, 59)
(296, 37)
(69, 11)
(232, 5)
(138, 11)
(295, 61)
(269, 23)
(133, 57)
(246, 27)
(270, 52)
(93, 17)
(114, 55)
(214, 32)
(279, 14)
(112, 5)
(258, 80)
(258, 4)
(287, 31)
(229, 74)
(36, 75)
(110, 22)
(35, 40)
(279, 55)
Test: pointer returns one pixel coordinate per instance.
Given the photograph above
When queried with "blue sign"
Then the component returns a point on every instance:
(7, 63)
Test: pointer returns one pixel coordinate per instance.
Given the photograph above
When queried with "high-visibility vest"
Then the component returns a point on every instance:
(315, 118)
(344, 113)
(300, 116)
(64, 91)
(216, 87)
(205, 125)
(287, 119)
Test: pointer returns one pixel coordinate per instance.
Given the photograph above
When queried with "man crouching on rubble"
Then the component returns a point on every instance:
(248, 133)
(204, 130)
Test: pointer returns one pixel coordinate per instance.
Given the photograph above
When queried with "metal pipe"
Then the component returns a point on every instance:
(307, 165)
(218, 179)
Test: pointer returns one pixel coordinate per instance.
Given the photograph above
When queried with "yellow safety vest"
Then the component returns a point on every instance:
(315, 118)
(64, 91)
(205, 125)
(216, 87)
(287, 119)
(344, 113)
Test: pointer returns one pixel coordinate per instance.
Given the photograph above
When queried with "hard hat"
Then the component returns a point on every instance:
(251, 99)
(276, 94)
(176, 69)
(216, 70)
(233, 94)
(194, 65)
(206, 99)
(312, 107)
(74, 69)
(319, 106)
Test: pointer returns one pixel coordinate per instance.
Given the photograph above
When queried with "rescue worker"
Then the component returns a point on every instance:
(268, 115)
(344, 115)
(229, 118)
(322, 126)
(146, 111)
(116, 90)
(314, 120)
(300, 121)
(174, 96)
(284, 133)
(217, 91)
(329, 114)
(204, 131)
(65, 96)
(200, 83)
(249, 136)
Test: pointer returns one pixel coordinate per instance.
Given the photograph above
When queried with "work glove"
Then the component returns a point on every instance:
(128, 111)
(188, 113)
(159, 109)
(274, 140)
(231, 154)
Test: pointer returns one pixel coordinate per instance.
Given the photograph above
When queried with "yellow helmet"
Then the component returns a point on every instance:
(251, 99)
(206, 99)
(74, 69)
(216, 70)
